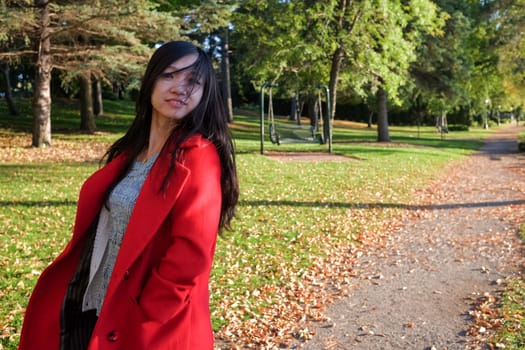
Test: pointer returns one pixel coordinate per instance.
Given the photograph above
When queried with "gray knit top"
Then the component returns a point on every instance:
(110, 231)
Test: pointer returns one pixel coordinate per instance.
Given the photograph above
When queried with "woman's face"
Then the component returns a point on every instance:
(176, 92)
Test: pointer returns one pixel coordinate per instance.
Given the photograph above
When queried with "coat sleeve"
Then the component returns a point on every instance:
(174, 302)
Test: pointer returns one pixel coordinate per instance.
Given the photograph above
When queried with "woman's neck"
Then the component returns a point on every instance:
(158, 135)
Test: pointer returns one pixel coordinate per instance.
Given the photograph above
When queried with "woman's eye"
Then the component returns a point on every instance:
(193, 81)
(168, 75)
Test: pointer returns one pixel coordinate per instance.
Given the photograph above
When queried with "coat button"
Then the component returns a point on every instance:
(112, 336)
(126, 275)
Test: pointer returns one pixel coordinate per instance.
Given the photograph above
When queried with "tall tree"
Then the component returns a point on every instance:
(225, 72)
(392, 42)
(469, 69)
(439, 70)
(509, 17)
(98, 106)
(273, 40)
(42, 85)
(383, 134)
(87, 120)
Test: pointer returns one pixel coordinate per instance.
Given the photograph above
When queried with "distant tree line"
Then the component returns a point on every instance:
(420, 61)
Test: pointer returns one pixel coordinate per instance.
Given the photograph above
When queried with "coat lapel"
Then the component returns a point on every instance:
(92, 195)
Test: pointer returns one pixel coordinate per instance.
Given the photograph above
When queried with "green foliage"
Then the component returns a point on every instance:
(394, 31)
(273, 39)
(511, 50)
(171, 5)
(444, 70)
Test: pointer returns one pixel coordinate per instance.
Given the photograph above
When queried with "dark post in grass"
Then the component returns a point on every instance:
(264, 86)
(327, 123)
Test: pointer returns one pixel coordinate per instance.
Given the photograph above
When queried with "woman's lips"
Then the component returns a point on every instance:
(176, 102)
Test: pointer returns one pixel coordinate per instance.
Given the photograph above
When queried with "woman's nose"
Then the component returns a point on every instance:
(181, 88)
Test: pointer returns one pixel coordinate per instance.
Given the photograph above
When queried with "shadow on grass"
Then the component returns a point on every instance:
(400, 141)
(269, 203)
(379, 205)
(28, 204)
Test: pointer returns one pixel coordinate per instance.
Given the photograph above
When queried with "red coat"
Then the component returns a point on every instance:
(157, 297)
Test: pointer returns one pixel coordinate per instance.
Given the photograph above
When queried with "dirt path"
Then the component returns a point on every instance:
(415, 293)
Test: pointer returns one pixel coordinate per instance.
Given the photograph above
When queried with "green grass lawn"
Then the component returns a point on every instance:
(511, 334)
(291, 214)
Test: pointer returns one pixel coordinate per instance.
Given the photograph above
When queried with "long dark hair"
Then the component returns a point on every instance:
(209, 118)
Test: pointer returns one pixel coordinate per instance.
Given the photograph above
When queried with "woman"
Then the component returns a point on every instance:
(135, 273)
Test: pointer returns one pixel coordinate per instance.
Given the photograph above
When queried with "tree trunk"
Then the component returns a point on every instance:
(299, 105)
(87, 117)
(382, 117)
(98, 104)
(313, 110)
(337, 61)
(441, 122)
(343, 26)
(8, 90)
(225, 70)
(293, 108)
(42, 84)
